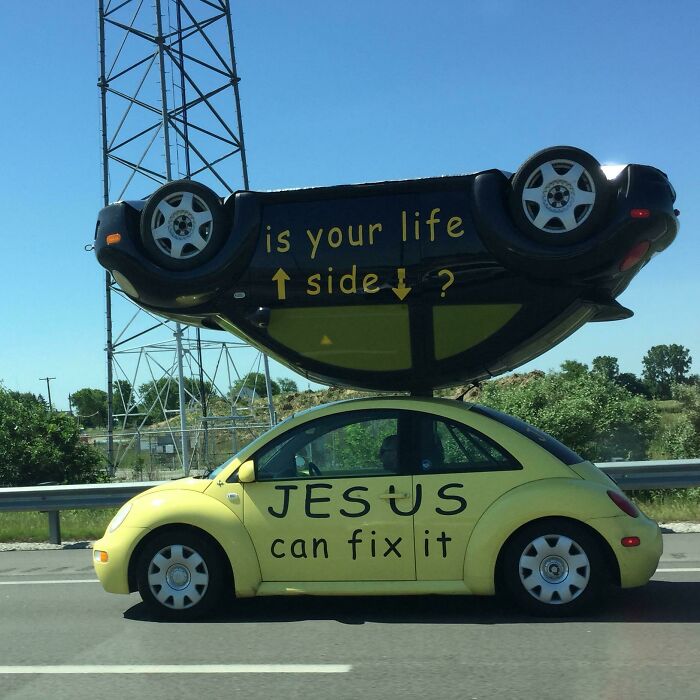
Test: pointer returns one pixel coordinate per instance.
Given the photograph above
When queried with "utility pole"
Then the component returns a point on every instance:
(48, 388)
(168, 97)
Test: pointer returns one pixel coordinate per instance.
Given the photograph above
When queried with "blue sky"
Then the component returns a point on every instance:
(348, 92)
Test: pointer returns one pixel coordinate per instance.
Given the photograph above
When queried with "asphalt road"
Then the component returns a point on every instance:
(61, 637)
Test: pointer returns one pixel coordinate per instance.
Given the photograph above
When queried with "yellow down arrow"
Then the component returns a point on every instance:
(402, 290)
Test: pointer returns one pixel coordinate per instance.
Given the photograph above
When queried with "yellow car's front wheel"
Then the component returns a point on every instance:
(179, 575)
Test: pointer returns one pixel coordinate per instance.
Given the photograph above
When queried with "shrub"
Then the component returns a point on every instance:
(588, 412)
(37, 445)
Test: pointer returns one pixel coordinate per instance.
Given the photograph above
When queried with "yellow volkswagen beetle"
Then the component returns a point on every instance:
(384, 496)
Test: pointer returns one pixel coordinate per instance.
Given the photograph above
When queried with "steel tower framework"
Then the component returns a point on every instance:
(168, 87)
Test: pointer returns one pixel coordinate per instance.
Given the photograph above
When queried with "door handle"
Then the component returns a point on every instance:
(397, 496)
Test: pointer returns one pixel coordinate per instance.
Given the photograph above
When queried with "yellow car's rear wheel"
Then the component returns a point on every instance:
(553, 568)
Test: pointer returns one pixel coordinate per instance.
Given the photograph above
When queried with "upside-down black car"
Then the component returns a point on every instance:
(406, 285)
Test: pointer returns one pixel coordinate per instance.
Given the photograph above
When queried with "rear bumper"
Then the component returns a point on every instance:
(637, 564)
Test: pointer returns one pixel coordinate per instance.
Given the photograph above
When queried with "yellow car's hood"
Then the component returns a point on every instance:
(188, 484)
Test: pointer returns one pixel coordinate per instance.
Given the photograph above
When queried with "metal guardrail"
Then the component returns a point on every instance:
(630, 476)
(53, 499)
(660, 474)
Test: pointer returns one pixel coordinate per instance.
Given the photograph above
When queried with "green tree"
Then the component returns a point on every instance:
(124, 400)
(633, 384)
(37, 445)
(594, 416)
(193, 389)
(286, 384)
(255, 381)
(665, 365)
(572, 369)
(91, 406)
(681, 439)
(160, 398)
(122, 395)
(607, 365)
(26, 397)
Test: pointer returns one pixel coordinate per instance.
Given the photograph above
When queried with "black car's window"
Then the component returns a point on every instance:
(544, 440)
(446, 446)
(361, 443)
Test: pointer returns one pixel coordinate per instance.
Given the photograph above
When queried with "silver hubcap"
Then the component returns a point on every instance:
(558, 196)
(554, 569)
(181, 225)
(178, 577)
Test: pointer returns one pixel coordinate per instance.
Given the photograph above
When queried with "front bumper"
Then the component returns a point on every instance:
(119, 546)
(637, 564)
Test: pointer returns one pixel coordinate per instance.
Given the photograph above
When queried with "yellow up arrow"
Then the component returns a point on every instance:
(281, 277)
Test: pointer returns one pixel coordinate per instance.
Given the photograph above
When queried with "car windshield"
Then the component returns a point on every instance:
(217, 470)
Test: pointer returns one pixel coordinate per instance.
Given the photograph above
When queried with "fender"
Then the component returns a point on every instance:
(160, 508)
(177, 291)
(581, 260)
(539, 499)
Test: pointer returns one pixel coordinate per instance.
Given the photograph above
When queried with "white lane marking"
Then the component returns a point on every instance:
(191, 668)
(31, 583)
(668, 571)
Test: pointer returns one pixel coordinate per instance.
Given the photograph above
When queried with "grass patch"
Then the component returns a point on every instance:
(670, 505)
(81, 524)
(669, 406)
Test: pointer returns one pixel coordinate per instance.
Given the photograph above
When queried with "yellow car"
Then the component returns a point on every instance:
(384, 496)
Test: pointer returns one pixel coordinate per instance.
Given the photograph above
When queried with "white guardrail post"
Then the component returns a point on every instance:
(630, 476)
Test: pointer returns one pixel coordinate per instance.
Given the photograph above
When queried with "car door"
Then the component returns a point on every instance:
(329, 504)
(459, 472)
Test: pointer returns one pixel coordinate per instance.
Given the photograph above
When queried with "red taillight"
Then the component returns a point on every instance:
(640, 213)
(634, 255)
(623, 504)
(630, 541)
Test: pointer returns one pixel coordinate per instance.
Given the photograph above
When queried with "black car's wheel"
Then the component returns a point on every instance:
(180, 575)
(553, 568)
(183, 225)
(559, 196)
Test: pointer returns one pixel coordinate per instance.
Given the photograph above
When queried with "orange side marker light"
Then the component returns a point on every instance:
(112, 238)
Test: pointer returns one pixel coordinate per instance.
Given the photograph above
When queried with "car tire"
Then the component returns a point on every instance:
(553, 568)
(183, 225)
(560, 196)
(180, 575)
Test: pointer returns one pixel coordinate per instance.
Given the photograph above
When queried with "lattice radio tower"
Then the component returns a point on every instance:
(169, 97)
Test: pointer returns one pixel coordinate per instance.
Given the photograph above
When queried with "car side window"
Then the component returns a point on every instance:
(348, 445)
(446, 446)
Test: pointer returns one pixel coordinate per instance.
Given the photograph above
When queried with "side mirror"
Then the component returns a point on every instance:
(246, 472)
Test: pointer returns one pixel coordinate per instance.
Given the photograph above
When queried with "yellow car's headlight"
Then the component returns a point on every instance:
(119, 518)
